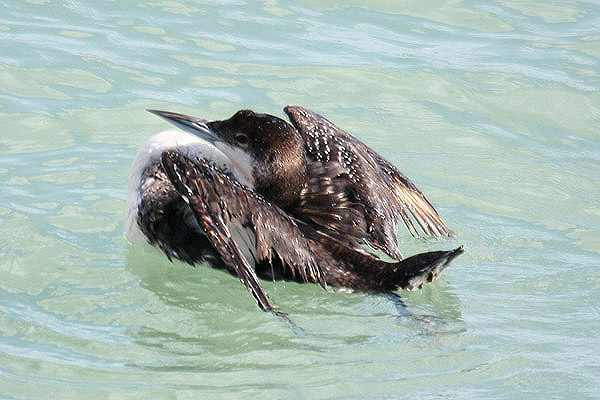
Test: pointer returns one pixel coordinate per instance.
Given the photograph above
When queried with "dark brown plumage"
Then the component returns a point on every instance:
(315, 196)
(380, 192)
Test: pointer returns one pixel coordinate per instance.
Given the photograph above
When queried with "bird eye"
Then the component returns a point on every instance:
(241, 139)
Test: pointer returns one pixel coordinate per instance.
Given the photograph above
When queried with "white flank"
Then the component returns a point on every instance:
(245, 240)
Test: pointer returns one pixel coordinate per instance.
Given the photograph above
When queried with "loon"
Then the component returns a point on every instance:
(265, 198)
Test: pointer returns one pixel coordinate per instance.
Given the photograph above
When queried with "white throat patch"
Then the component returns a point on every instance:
(241, 162)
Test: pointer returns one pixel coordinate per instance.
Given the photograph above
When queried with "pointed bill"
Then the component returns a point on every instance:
(196, 126)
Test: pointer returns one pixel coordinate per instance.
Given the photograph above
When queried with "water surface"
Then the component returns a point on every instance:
(493, 108)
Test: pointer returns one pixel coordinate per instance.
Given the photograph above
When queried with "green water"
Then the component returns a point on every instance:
(493, 108)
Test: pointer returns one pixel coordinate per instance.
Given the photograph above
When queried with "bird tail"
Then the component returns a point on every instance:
(346, 267)
(413, 272)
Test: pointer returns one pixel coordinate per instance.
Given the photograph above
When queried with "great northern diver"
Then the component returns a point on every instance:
(261, 197)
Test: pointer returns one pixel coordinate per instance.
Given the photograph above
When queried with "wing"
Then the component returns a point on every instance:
(374, 188)
(167, 222)
(241, 225)
(325, 206)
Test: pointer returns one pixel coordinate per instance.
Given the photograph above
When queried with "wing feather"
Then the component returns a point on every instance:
(220, 204)
(372, 187)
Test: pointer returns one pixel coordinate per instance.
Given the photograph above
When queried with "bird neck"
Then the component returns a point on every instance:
(282, 181)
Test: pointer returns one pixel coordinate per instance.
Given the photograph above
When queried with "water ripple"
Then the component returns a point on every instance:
(491, 107)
